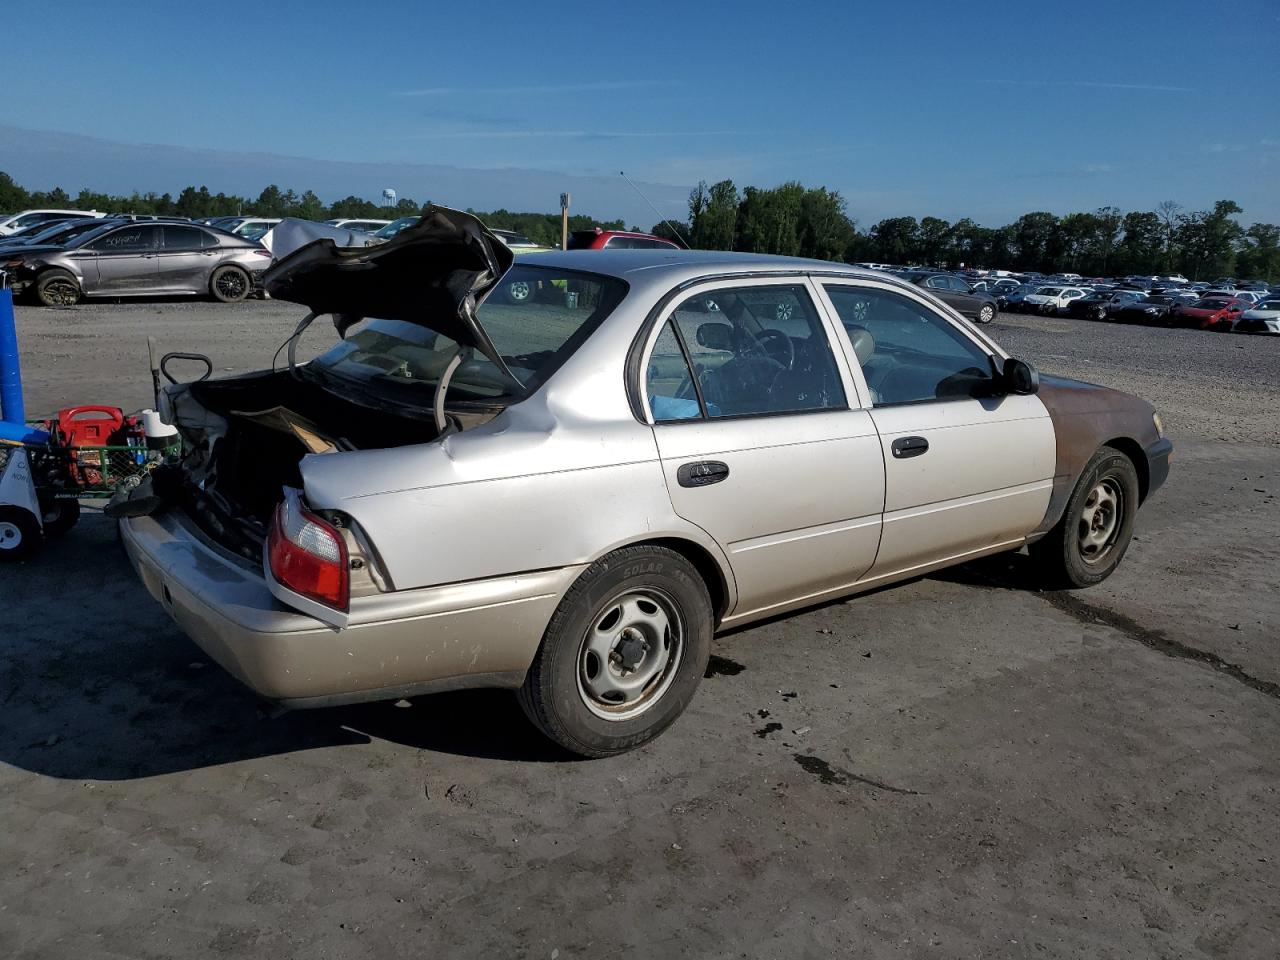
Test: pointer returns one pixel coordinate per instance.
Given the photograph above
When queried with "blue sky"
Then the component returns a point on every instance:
(981, 110)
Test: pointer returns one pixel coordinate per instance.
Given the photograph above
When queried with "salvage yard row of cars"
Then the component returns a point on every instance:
(649, 447)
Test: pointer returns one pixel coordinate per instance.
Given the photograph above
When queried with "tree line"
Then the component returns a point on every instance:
(794, 220)
(198, 202)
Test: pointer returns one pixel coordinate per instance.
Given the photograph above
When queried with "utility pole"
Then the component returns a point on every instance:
(564, 221)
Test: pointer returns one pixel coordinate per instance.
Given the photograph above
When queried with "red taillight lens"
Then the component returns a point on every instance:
(308, 555)
(261, 253)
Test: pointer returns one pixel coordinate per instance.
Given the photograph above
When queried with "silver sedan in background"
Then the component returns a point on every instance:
(140, 258)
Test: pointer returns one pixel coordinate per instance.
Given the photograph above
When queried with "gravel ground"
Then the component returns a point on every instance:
(956, 767)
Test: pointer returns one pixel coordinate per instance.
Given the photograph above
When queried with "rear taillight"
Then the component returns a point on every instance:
(308, 555)
(261, 253)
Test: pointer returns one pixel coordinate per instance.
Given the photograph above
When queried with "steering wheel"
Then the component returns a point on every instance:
(778, 347)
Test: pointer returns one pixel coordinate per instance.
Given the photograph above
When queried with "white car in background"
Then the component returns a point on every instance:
(1263, 318)
(253, 228)
(1053, 299)
(364, 226)
(30, 218)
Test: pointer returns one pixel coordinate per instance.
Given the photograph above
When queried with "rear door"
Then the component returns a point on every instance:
(125, 260)
(185, 259)
(965, 471)
(763, 440)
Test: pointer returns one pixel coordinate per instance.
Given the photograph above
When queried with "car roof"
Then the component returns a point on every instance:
(671, 267)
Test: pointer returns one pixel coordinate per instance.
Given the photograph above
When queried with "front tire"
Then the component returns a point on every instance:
(229, 284)
(1090, 540)
(58, 288)
(623, 653)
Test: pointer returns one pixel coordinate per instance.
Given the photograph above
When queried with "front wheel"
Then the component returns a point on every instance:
(58, 288)
(1091, 538)
(987, 313)
(623, 653)
(229, 284)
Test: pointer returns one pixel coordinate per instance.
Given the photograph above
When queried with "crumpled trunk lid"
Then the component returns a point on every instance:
(434, 274)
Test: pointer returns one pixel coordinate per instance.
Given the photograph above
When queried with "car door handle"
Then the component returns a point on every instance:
(905, 447)
(702, 473)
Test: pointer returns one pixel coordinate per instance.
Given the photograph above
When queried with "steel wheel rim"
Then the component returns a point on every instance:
(10, 535)
(1100, 520)
(231, 284)
(630, 654)
(519, 290)
(62, 292)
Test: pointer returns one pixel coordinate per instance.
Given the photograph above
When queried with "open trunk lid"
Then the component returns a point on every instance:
(434, 273)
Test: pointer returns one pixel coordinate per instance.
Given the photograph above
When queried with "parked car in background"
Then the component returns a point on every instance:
(518, 242)
(54, 233)
(1152, 309)
(605, 483)
(1098, 304)
(1052, 299)
(1263, 317)
(365, 226)
(598, 239)
(140, 259)
(1015, 300)
(395, 227)
(253, 228)
(30, 218)
(1211, 313)
(956, 293)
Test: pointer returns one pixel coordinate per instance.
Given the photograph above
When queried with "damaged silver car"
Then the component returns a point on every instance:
(568, 492)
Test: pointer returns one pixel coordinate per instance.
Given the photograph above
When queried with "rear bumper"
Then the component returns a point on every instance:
(480, 633)
(1158, 456)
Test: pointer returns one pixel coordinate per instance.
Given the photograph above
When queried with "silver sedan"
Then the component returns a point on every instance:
(569, 492)
(140, 258)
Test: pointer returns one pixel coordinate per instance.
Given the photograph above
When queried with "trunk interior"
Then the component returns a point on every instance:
(231, 483)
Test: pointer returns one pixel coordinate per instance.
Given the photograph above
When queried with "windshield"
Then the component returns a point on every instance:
(1209, 304)
(536, 317)
(1161, 301)
(1049, 291)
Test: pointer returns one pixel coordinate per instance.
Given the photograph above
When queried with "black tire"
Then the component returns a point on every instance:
(58, 288)
(986, 313)
(19, 534)
(555, 692)
(229, 284)
(1061, 556)
(59, 516)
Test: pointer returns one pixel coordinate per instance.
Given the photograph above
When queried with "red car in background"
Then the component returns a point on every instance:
(1211, 313)
(598, 239)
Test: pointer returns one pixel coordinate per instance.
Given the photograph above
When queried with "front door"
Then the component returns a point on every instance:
(125, 260)
(965, 470)
(763, 440)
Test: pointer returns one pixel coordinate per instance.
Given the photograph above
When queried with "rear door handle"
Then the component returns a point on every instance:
(905, 447)
(702, 473)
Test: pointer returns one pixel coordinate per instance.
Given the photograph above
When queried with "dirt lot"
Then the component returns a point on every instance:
(957, 767)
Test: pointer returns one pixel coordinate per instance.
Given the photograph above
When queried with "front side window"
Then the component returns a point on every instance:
(759, 350)
(908, 353)
(132, 239)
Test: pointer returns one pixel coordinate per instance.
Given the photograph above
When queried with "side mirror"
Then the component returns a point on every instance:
(1019, 377)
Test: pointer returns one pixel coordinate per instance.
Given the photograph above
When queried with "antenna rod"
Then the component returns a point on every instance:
(623, 175)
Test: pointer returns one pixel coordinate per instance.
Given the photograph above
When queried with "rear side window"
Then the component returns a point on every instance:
(184, 238)
(758, 350)
(669, 381)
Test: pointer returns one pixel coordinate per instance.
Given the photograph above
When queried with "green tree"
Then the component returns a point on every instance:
(935, 240)
(12, 197)
(897, 240)
(825, 228)
(1259, 255)
(1036, 242)
(713, 216)
(1143, 244)
(769, 220)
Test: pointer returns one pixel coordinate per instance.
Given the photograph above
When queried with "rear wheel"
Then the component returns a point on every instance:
(19, 534)
(58, 288)
(1090, 540)
(623, 653)
(986, 313)
(59, 516)
(229, 284)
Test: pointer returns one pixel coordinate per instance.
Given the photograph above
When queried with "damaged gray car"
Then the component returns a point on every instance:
(569, 491)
